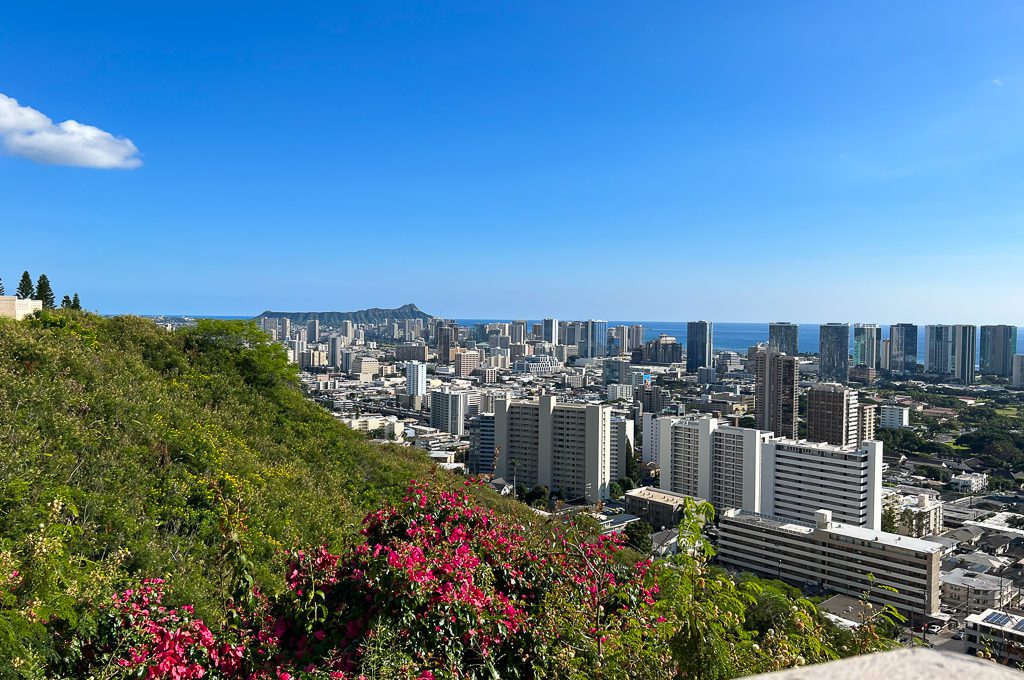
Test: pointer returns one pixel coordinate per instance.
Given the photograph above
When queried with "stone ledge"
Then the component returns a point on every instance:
(901, 663)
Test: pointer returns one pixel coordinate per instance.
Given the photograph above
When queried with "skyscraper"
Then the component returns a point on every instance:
(636, 336)
(784, 336)
(551, 331)
(833, 414)
(903, 348)
(867, 342)
(313, 331)
(998, 345)
(834, 352)
(964, 353)
(416, 379)
(699, 350)
(447, 341)
(481, 444)
(518, 332)
(594, 342)
(775, 399)
(938, 349)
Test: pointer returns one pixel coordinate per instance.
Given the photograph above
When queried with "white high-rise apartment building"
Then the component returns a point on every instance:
(565, 447)
(449, 409)
(466, 362)
(551, 331)
(416, 379)
(894, 417)
(621, 445)
(752, 470)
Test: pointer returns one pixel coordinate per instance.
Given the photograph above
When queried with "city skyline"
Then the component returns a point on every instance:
(273, 160)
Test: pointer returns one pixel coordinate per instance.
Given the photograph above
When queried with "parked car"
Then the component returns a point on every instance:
(959, 635)
(934, 628)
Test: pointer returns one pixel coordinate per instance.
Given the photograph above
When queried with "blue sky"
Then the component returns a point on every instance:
(813, 161)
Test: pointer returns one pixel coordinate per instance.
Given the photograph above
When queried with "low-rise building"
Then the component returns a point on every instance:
(13, 307)
(998, 633)
(835, 557)
(970, 482)
(969, 591)
(657, 507)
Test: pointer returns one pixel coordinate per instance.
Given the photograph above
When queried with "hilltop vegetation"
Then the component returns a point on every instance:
(171, 506)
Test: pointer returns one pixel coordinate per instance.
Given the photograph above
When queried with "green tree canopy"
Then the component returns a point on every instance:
(26, 290)
(44, 292)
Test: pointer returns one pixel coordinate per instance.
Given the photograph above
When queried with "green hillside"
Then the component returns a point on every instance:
(128, 450)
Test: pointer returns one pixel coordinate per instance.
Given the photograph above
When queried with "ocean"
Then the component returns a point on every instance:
(739, 336)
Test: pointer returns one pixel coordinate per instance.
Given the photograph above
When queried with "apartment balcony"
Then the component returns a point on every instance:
(901, 664)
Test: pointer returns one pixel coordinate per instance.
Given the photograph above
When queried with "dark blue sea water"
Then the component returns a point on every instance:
(740, 336)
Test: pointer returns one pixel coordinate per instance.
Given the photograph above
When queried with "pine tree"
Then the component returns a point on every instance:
(44, 292)
(1, 286)
(66, 302)
(25, 289)
(75, 302)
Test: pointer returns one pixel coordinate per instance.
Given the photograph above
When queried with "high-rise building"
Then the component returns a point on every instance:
(621, 445)
(335, 347)
(886, 355)
(699, 348)
(833, 414)
(565, 447)
(964, 337)
(466, 362)
(615, 371)
(867, 342)
(348, 330)
(867, 423)
(1018, 371)
(551, 331)
(938, 341)
(416, 379)
(622, 335)
(808, 477)
(998, 345)
(447, 341)
(903, 348)
(518, 332)
(775, 404)
(481, 444)
(594, 342)
(313, 331)
(284, 329)
(636, 336)
(834, 352)
(784, 336)
(449, 409)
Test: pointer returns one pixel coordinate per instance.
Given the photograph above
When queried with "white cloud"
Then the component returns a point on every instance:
(28, 133)
(997, 82)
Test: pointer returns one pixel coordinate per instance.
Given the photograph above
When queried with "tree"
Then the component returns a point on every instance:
(638, 535)
(537, 494)
(75, 302)
(627, 484)
(25, 289)
(44, 292)
(615, 490)
(1, 286)
(890, 519)
(65, 303)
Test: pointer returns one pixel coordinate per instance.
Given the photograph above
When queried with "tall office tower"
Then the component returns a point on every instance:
(466, 362)
(833, 414)
(622, 333)
(867, 342)
(518, 332)
(775, 403)
(834, 352)
(565, 447)
(284, 329)
(570, 332)
(348, 330)
(313, 331)
(998, 345)
(636, 336)
(903, 348)
(447, 341)
(616, 371)
(416, 379)
(481, 444)
(964, 354)
(886, 354)
(594, 342)
(703, 457)
(867, 422)
(938, 349)
(806, 477)
(699, 350)
(551, 331)
(621, 445)
(1018, 371)
(784, 336)
(335, 346)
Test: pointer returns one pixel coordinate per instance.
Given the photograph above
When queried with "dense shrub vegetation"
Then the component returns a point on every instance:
(171, 506)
